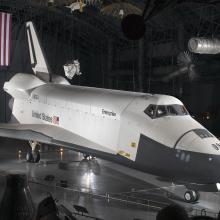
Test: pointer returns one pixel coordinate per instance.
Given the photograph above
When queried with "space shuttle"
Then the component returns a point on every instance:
(149, 132)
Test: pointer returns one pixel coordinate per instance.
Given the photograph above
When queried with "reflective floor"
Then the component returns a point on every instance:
(107, 190)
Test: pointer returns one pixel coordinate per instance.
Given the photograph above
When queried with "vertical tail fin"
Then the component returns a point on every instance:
(37, 55)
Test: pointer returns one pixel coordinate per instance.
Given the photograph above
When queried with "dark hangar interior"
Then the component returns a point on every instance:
(110, 60)
(150, 54)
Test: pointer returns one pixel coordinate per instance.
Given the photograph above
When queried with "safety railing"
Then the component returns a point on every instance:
(108, 197)
(123, 198)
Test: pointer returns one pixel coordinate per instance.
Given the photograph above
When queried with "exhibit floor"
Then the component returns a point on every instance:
(107, 190)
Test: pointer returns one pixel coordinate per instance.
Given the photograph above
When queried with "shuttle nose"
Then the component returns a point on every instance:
(199, 152)
(198, 140)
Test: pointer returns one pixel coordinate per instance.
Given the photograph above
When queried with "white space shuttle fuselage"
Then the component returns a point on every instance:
(153, 133)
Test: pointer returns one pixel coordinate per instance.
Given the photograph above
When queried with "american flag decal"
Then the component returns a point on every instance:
(5, 38)
(56, 120)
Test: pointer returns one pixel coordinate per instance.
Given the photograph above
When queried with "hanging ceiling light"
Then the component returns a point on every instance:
(204, 45)
(120, 9)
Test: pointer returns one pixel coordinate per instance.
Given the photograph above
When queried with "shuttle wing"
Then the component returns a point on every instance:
(54, 135)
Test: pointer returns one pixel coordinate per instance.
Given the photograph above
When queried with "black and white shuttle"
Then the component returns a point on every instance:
(152, 133)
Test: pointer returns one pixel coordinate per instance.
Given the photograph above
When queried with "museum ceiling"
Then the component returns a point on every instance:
(98, 22)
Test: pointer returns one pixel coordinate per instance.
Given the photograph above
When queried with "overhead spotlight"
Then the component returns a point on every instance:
(204, 45)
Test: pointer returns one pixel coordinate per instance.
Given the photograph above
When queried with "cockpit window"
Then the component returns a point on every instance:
(171, 110)
(150, 111)
(176, 110)
(202, 133)
(161, 111)
(156, 111)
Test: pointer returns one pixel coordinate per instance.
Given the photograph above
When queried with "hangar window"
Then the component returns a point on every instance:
(202, 133)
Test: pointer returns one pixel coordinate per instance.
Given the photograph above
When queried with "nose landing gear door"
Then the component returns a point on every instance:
(128, 139)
